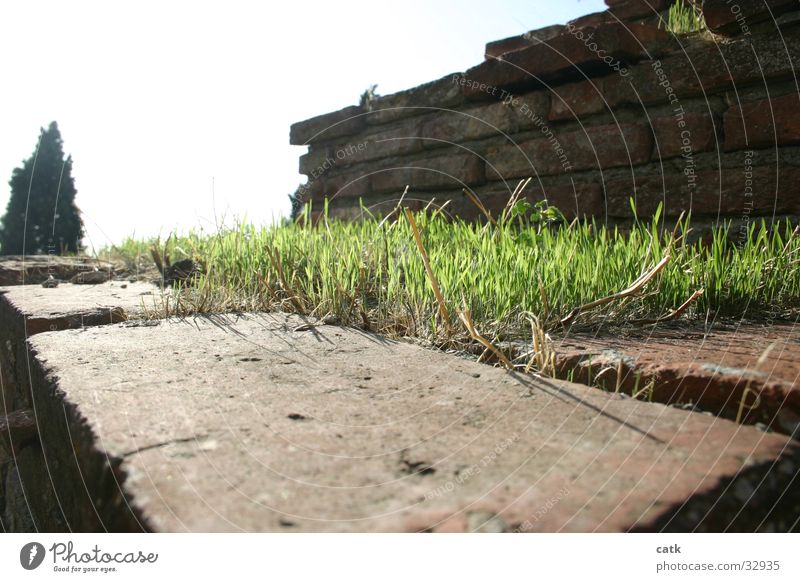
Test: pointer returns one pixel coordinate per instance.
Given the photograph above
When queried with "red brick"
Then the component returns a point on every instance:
(763, 124)
(449, 127)
(584, 200)
(712, 367)
(497, 48)
(348, 185)
(329, 126)
(594, 19)
(485, 120)
(584, 98)
(697, 130)
(605, 146)
(709, 197)
(565, 54)
(726, 64)
(442, 93)
(450, 172)
(396, 140)
(629, 9)
(721, 15)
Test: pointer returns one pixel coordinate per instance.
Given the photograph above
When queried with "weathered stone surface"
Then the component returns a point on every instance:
(752, 367)
(33, 309)
(16, 429)
(772, 190)
(26, 310)
(692, 132)
(725, 17)
(570, 54)
(328, 126)
(451, 171)
(764, 123)
(35, 269)
(597, 147)
(441, 94)
(250, 426)
(498, 48)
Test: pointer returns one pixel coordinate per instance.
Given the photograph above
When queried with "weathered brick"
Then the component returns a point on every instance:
(329, 126)
(693, 132)
(582, 201)
(568, 55)
(398, 139)
(483, 121)
(726, 17)
(577, 100)
(714, 193)
(591, 20)
(448, 172)
(764, 123)
(573, 200)
(316, 162)
(443, 93)
(725, 64)
(345, 185)
(603, 147)
(629, 9)
(500, 47)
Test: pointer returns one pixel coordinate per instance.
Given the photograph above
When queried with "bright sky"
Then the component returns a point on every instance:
(158, 101)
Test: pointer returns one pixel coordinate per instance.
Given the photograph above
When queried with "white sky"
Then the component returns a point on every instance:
(156, 99)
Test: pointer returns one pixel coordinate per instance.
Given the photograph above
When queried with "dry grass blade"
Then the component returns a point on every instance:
(425, 261)
(543, 356)
(675, 313)
(635, 287)
(466, 317)
(275, 259)
(477, 202)
(742, 403)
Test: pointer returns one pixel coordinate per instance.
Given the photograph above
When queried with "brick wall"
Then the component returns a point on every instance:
(605, 108)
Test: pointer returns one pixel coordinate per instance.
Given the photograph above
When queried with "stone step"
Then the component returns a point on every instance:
(26, 310)
(745, 371)
(260, 423)
(35, 269)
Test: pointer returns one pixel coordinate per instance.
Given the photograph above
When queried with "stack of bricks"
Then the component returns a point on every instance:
(605, 109)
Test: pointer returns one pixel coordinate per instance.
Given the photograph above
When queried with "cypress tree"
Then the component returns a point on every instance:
(41, 216)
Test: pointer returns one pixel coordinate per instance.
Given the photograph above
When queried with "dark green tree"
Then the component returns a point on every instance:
(41, 216)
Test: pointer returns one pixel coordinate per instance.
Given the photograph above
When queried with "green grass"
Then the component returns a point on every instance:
(371, 273)
(684, 18)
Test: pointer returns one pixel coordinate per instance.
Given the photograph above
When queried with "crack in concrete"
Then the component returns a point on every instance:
(138, 450)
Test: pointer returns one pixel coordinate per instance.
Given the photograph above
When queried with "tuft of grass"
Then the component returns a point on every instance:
(455, 283)
(684, 17)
